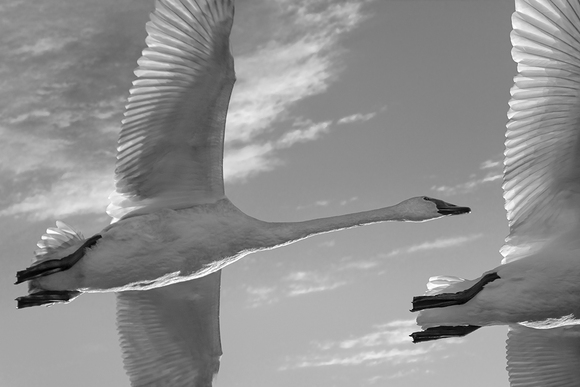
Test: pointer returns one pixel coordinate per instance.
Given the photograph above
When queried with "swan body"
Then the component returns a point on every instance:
(169, 246)
(536, 290)
(173, 228)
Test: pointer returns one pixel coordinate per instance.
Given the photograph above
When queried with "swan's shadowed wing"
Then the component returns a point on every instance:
(170, 148)
(542, 156)
(170, 335)
(543, 357)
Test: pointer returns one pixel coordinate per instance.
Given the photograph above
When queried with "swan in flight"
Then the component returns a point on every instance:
(536, 289)
(173, 228)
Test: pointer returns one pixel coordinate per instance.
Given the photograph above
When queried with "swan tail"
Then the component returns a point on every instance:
(54, 246)
(445, 284)
(57, 239)
(58, 250)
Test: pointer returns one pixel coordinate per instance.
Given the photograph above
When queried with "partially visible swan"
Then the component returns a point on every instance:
(173, 227)
(536, 290)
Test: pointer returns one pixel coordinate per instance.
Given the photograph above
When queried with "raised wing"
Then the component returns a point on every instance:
(543, 357)
(170, 335)
(170, 148)
(542, 155)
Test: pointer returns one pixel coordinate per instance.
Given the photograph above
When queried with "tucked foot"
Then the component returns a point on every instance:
(448, 299)
(443, 332)
(55, 265)
(47, 297)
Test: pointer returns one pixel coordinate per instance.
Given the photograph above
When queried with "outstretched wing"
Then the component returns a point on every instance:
(170, 148)
(543, 357)
(170, 335)
(542, 155)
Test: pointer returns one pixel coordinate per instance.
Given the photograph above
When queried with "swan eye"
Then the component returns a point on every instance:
(426, 198)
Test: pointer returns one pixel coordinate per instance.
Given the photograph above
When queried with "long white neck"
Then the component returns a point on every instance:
(289, 232)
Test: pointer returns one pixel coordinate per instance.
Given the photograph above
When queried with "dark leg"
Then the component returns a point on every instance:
(55, 265)
(47, 297)
(443, 332)
(448, 299)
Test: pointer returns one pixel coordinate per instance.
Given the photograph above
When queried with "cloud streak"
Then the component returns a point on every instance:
(440, 243)
(493, 172)
(386, 343)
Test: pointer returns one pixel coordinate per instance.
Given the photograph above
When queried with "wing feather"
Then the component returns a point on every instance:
(543, 357)
(170, 335)
(170, 147)
(542, 163)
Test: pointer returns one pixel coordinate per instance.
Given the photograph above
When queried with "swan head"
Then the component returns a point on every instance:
(423, 208)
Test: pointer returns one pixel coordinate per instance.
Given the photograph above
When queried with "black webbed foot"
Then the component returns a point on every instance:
(47, 297)
(55, 265)
(449, 299)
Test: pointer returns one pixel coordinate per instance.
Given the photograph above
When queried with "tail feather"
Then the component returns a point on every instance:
(446, 284)
(56, 244)
(56, 240)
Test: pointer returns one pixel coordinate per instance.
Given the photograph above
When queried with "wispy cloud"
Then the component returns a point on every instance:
(386, 343)
(258, 296)
(326, 202)
(490, 171)
(440, 243)
(358, 117)
(61, 107)
(302, 283)
(305, 282)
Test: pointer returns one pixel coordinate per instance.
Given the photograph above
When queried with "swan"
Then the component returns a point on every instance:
(173, 228)
(536, 289)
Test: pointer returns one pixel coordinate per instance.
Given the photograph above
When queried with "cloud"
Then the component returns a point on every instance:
(358, 117)
(305, 282)
(440, 243)
(360, 264)
(329, 243)
(75, 192)
(258, 296)
(326, 203)
(70, 66)
(302, 283)
(494, 173)
(386, 343)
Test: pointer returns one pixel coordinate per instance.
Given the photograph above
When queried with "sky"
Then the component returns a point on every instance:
(339, 106)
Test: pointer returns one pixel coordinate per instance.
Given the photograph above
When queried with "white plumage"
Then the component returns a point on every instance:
(173, 228)
(536, 290)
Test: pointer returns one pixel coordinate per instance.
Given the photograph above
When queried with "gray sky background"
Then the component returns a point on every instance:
(340, 106)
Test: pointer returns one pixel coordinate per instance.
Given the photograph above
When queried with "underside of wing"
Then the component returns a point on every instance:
(542, 163)
(170, 335)
(170, 148)
(543, 357)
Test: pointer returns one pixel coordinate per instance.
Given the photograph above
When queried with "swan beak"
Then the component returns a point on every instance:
(445, 208)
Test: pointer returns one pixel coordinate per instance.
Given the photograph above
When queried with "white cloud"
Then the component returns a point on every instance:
(348, 201)
(440, 243)
(359, 264)
(312, 132)
(494, 173)
(76, 192)
(329, 243)
(358, 117)
(258, 296)
(488, 164)
(386, 343)
(303, 282)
